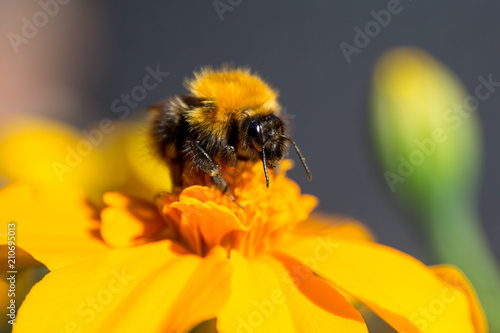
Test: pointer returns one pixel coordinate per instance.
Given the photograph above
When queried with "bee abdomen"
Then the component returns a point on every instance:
(166, 127)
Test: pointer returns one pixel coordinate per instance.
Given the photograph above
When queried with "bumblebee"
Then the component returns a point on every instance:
(228, 115)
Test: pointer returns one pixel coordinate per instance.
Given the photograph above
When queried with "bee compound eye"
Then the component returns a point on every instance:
(254, 130)
(255, 134)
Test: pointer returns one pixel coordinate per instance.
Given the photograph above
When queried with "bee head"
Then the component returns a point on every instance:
(265, 133)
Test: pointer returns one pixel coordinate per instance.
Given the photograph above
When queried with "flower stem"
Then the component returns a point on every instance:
(457, 238)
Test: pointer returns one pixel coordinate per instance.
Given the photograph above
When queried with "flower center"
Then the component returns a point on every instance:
(202, 217)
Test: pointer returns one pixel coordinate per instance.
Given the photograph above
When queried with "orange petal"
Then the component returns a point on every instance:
(322, 295)
(156, 287)
(204, 220)
(320, 224)
(400, 289)
(55, 225)
(128, 221)
(265, 299)
(453, 277)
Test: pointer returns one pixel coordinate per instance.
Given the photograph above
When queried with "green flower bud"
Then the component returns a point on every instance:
(427, 138)
(425, 128)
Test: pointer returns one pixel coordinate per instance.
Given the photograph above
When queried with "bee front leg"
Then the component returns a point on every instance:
(210, 167)
(231, 153)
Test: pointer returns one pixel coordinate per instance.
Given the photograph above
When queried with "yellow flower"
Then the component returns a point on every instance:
(195, 255)
(109, 156)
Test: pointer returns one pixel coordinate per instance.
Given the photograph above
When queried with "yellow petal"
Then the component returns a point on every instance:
(128, 221)
(264, 298)
(150, 170)
(320, 224)
(32, 147)
(24, 280)
(342, 315)
(55, 225)
(400, 289)
(453, 277)
(46, 151)
(151, 288)
(341, 227)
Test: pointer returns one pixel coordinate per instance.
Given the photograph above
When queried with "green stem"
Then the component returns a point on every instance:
(457, 238)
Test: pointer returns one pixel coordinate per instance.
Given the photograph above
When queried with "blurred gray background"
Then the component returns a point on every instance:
(295, 46)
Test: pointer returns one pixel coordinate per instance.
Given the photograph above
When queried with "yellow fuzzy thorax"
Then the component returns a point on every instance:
(233, 90)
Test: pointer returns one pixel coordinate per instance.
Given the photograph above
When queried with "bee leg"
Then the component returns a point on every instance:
(230, 151)
(208, 165)
(221, 184)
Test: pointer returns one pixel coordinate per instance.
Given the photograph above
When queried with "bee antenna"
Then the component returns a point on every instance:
(263, 155)
(302, 159)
